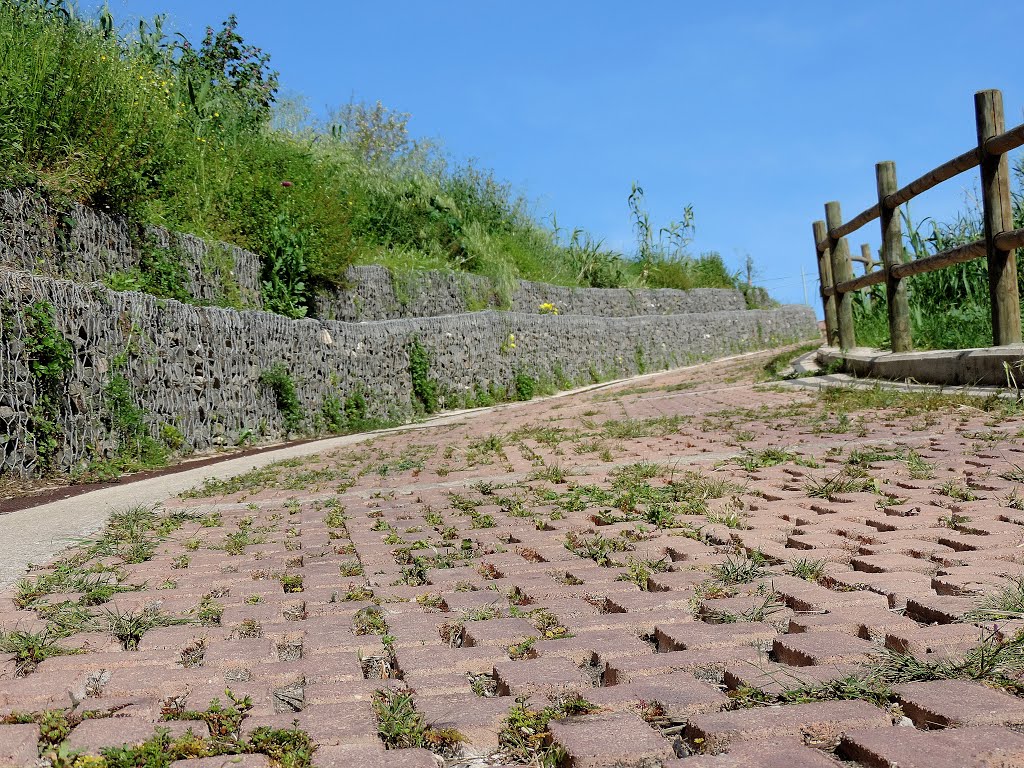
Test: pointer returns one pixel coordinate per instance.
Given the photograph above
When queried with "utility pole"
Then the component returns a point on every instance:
(803, 281)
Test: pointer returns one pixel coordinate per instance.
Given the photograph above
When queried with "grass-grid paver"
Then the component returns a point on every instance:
(700, 568)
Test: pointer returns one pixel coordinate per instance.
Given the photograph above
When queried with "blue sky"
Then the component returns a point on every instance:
(756, 113)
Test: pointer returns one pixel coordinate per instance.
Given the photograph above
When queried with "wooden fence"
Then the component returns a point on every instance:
(835, 267)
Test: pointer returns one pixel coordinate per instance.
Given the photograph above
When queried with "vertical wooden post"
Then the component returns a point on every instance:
(995, 198)
(825, 281)
(842, 270)
(866, 259)
(892, 254)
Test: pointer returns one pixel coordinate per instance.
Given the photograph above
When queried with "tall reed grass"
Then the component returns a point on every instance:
(949, 308)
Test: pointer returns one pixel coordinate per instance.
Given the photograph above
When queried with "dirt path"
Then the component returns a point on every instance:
(623, 575)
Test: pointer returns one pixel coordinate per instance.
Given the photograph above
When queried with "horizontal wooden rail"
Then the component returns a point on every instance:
(958, 255)
(854, 224)
(864, 281)
(1006, 241)
(1003, 143)
(947, 258)
(997, 145)
(945, 172)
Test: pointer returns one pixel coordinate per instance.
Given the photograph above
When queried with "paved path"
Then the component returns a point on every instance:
(691, 570)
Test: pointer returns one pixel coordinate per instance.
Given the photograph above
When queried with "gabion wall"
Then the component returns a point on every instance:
(197, 368)
(86, 246)
(373, 293)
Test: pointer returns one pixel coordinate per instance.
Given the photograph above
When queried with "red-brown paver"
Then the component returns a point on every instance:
(519, 554)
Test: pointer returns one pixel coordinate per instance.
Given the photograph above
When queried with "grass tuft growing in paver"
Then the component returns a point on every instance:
(1005, 605)
(369, 621)
(770, 457)
(639, 570)
(655, 426)
(837, 485)
(807, 569)
(741, 569)
(400, 726)
(910, 404)
(850, 688)
(596, 547)
(524, 735)
(30, 648)
(997, 661)
(285, 747)
(129, 626)
(957, 490)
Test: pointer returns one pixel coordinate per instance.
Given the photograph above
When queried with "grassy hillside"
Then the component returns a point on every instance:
(184, 135)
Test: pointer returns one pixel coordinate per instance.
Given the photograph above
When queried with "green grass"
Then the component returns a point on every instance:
(639, 570)
(30, 648)
(995, 661)
(807, 569)
(524, 734)
(400, 726)
(190, 136)
(837, 485)
(949, 308)
(739, 570)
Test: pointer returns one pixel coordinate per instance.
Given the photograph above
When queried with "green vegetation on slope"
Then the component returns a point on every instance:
(949, 308)
(188, 137)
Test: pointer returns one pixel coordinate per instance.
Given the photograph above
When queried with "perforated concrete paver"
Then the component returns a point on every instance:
(713, 565)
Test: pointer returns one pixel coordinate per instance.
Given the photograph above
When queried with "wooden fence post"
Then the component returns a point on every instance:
(866, 258)
(995, 197)
(825, 281)
(892, 254)
(842, 270)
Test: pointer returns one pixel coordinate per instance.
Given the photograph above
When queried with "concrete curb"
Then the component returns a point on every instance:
(851, 382)
(984, 366)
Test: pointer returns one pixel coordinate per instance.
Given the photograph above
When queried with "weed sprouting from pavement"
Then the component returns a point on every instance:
(524, 733)
(996, 660)
(639, 570)
(807, 569)
(740, 570)
(1005, 605)
(400, 726)
(30, 648)
(837, 485)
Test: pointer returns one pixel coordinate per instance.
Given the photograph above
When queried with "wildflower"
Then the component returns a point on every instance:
(286, 184)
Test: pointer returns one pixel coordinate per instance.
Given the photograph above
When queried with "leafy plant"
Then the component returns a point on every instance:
(30, 648)
(279, 382)
(50, 360)
(740, 570)
(400, 726)
(524, 733)
(424, 388)
(807, 569)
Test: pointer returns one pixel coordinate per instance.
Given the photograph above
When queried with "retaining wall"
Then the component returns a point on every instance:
(85, 245)
(80, 244)
(197, 368)
(374, 293)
